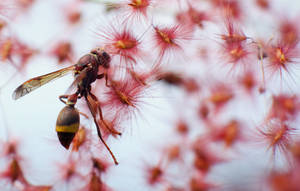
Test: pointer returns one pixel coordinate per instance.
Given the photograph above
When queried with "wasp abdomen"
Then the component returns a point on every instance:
(67, 124)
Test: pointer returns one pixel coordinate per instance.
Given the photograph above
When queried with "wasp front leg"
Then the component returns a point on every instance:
(105, 76)
(106, 80)
(100, 76)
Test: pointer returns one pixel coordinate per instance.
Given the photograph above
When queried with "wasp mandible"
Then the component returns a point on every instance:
(85, 73)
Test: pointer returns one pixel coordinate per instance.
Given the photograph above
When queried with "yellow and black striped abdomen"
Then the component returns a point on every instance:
(67, 125)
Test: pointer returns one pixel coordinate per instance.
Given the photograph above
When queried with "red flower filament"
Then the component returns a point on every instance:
(278, 135)
(280, 57)
(121, 42)
(171, 39)
(140, 6)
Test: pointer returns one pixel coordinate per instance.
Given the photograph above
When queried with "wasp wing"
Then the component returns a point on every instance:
(39, 81)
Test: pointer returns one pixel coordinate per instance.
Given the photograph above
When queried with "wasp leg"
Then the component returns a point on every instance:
(101, 116)
(71, 99)
(63, 97)
(106, 80)
(100, 76)
(98, 130)
(84, 115)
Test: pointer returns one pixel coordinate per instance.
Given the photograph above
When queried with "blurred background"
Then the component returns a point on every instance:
(170, 104)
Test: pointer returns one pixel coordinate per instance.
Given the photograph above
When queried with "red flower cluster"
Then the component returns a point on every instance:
(216, 63)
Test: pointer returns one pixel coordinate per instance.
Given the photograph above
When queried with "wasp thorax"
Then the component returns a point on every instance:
(67, 125)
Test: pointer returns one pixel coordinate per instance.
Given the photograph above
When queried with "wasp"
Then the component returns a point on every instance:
(85, 73)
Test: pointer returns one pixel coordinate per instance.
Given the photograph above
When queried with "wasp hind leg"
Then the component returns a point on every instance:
(111, 130)
(98, 130)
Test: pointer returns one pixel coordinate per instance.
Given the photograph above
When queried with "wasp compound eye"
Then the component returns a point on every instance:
(67, 125)
(104, 59)
(105, 55)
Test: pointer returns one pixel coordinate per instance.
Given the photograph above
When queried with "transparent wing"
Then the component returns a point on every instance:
(39, 81)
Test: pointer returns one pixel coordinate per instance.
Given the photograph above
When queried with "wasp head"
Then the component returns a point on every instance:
(103, 57)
